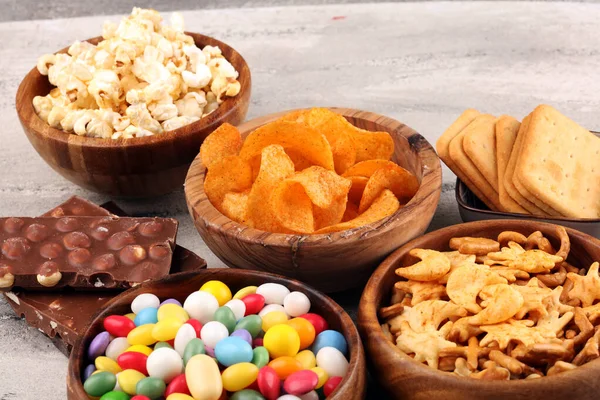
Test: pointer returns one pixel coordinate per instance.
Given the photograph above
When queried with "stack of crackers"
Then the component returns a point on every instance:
(546, 165)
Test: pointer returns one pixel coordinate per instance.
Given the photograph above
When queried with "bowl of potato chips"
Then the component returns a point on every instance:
(503, 309)
(320, 195)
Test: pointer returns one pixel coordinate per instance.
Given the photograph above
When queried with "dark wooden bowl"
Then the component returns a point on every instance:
(137, 167)
(180, 285)
(330, 262)
(407, 379)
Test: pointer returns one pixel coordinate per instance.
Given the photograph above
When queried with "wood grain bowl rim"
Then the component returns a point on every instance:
(202, 209)
(370, 327)
(357, 363)
(29, 117)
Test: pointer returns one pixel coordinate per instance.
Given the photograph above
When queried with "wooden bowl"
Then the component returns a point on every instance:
(180, 285)
(407, 379)
(330, 262)
(137, 167)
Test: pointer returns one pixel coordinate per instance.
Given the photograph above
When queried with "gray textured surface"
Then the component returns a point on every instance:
(422, 63)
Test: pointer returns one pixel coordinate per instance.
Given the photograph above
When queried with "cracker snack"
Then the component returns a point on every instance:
(511, 308)
(547, 165)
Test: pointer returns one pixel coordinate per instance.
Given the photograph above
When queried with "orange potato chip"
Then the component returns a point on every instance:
(330, 215)
(235, 204)
(366, 168)
(292, 207)
(393, 177)
(290, 135)
(222, 142)
(322, 186)
(357, 189)
(372, 145)
(275, 166)
(230, 174)
(386, 204)
(351, 212)
(300, 162)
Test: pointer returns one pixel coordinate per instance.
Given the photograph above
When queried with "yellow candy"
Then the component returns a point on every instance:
(322, 376)
(128, 380)
(166, 329)
(307, 359)
(107, 364)
(203, 378)
(243, 292)
(179, 396)
(239, 376)
(131, 316)
(142, 335)
(170, 310)
(282, 340)
(219, 290)
(140, 348)
(273, 318)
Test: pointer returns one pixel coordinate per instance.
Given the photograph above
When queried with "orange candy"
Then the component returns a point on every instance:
(305, 330)
(285, 366)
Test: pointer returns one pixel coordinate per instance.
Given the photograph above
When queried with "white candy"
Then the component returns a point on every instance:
(288, 397)
(274, 293)
(312, 395)
(117, 347)
(270, 308)
(183, 337)
(144, 300)
(296, 304)
(332, 361)
(238, 307)
(213, 332)
(117, 387)
(165, 364)
(201, 306)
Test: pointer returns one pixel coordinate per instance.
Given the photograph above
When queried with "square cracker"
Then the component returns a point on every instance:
(507, 128)
(510, 170)
(467, 168)
(480, 147)
(560, 164)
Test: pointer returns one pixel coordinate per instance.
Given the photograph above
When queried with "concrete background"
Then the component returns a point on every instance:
(421, 63)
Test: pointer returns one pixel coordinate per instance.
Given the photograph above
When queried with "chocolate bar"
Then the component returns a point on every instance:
(99, 252)
(77, 207)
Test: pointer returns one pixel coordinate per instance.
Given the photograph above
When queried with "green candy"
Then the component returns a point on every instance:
(99, 384)
(225, 316)
(162, 344)
(251, 323)
(194, 347)
(260, 357)
(151, 387)
(247, 394)
(114, 395)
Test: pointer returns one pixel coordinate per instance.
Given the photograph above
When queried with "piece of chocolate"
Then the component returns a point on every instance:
(78, 207)
(102, 252)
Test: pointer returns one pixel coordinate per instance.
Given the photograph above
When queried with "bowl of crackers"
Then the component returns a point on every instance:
(125, 113)
(320, 195)
(544, 168)
(502, 309)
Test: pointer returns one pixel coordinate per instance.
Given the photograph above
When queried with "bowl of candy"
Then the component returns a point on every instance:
(219, 334)
(125, 113)
(503, 309)
(321, 195)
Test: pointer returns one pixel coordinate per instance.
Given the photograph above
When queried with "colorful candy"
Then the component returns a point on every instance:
(332, 361)
(296, 304)
(98, 345)
(194, 347)
(203, 378)
(301, 382)
(184, 335)
(274, 293)
(133, 360)
(165, 364)
(100, 383)
(118, 325)
(146, 316)
(330, 338)
(219, 290)
(144, 300)
(233, 350)
(253, 303)
(201, 306)
(282, 340)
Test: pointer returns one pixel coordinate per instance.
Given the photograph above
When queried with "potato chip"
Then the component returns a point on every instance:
(230, 174)
(235, 204)
(292, 207)
(275, 166)
(357, 189)
(351, 211)
(366, 168)
(393, 177)
(300, 162)
(290, 135)
(331, 215)
(322, 186)
(224, 141)
(372, 145)
(386, 204)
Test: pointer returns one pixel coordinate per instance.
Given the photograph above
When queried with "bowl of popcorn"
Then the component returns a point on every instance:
(504, 309)
(124, 114)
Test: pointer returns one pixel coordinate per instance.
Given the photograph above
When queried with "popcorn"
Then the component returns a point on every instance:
(143, 79)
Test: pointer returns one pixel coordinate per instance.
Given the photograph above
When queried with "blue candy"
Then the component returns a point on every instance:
(146, 316)
(88, 371)
(243, 334)
(330, 338)
(233, 350)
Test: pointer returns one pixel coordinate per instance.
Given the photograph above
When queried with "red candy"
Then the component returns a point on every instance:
(177, 385)
(257, 342)
(329, 386)
(133, 360)
(301, 382)
(254, 303)
(196, 324)
(118, 325)
(268, 383)
(140, 397)
(317, 321)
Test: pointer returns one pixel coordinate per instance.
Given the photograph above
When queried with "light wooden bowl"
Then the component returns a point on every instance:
(179, 286)
(138, 167)
(330, 262)
(407, 379)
